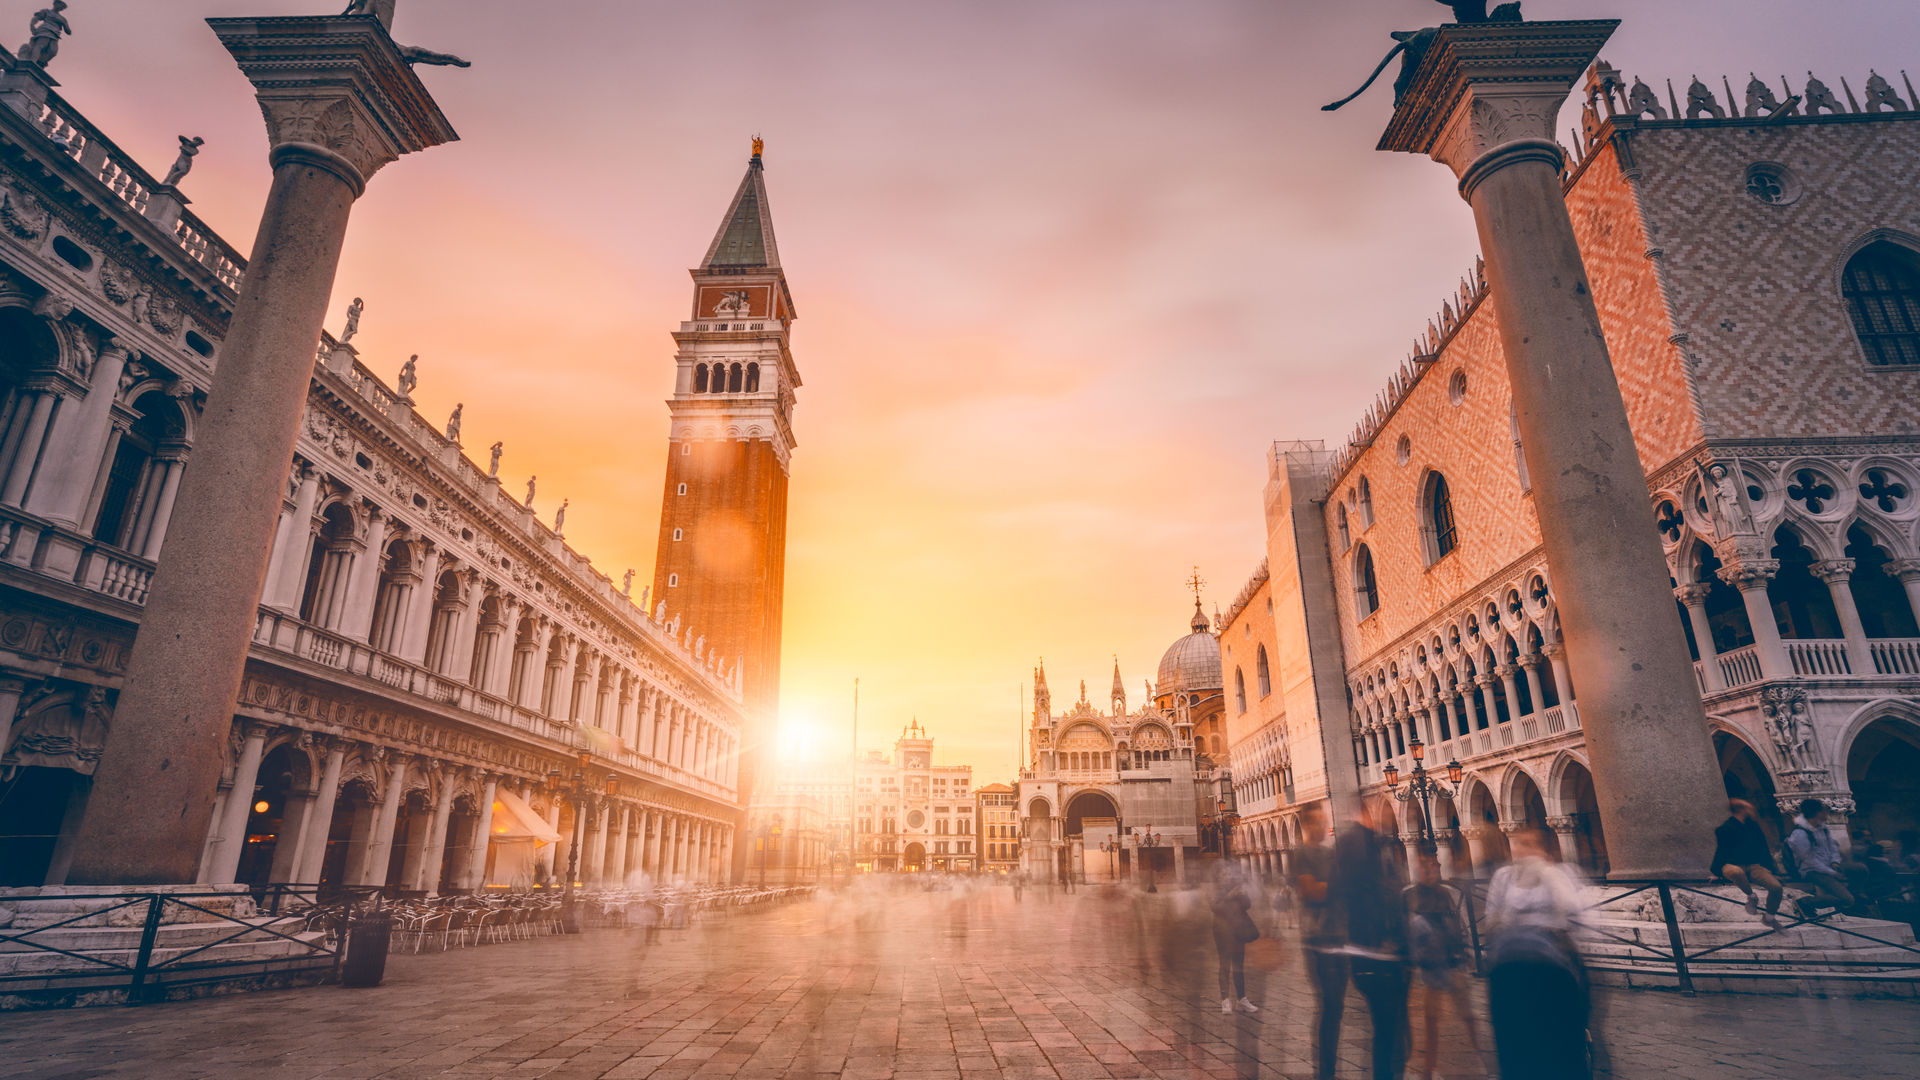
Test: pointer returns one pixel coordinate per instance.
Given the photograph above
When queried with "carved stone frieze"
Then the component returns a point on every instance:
(71, 638)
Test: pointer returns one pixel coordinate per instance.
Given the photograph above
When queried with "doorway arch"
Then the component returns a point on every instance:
(1093, 805)
(1744, 775)
(914, 858)
(1883, 772)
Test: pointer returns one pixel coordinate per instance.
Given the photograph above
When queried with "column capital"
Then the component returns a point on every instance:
(1692, 593)
(1903, 569)
(1565, 824)
(1833, 571)
(336, 92)
(1749, 574)
(1487, 95)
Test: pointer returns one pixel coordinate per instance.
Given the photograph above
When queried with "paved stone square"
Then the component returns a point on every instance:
(908, 985)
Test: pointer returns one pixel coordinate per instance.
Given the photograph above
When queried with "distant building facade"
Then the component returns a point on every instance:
(1109, 794)
(997, 810)
(1758, 281)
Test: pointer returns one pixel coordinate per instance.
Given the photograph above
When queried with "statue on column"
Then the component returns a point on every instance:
(560, 518)
(46, 28)
(530, 483)
(184, 163)
(353, 321)
(493, 462)
(1731, 515)
(1415, 43)
(453, 422)
(409, 378)
(626, 583)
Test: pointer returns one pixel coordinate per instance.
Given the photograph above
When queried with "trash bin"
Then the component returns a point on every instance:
(368, 935)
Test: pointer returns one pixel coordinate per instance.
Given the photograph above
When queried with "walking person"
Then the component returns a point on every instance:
(1437, 947)
(1019, 884)
(1743, 858)
(1537, 990)
(1233, 929)
(1322, 936)
(1367, 882)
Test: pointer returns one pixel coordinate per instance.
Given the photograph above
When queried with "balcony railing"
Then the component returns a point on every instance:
(1818, 657)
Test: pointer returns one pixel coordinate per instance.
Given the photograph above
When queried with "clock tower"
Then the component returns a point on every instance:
(721, 563)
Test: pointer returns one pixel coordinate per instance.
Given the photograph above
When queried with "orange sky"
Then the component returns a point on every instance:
(1064, 268)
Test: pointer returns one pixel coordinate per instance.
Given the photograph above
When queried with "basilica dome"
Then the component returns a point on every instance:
(1193, 662)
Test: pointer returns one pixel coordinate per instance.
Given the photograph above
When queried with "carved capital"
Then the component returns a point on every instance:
(1833, 571)
(1487, 95)
(336, 92)
(1904, 570)
(1750, 573)
(1693, 594)
(1564, 825)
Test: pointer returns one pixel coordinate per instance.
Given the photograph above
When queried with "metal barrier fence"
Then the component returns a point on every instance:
(146, 968)
(1707, 960)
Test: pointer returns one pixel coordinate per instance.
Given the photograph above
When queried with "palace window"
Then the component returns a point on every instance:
(1262, 675)
(1366, 588)
(753, 378)
(700, 379)
(733, 379)
(1239, 690)
(1340, 525)
(1366, 503)
(1437, 527)
(1882, 289)
(682, 490)
(678, 535)
(673, 580)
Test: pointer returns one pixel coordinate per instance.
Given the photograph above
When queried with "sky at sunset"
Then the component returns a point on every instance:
(1063, 269)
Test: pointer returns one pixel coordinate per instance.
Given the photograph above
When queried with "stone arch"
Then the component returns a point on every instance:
(1882, 263)
(1885, 707)
(1089, 802)
(1881, 764)
(1521, 798)
(1747, 771)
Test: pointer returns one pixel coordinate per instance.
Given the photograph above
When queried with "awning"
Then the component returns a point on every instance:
(513, 819)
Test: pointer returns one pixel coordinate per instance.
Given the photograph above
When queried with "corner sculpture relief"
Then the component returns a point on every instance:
(1412, 45)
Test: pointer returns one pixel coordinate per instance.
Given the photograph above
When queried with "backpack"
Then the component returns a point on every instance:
(1790, 862)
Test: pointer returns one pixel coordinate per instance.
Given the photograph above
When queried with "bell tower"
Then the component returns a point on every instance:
(721, 562)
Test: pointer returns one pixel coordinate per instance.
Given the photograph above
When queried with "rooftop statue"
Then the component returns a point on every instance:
(184, 163)
(408, 378)
(412, 54)
(46, 27)
(453, 422)
(530, 483)
(1412, 45)
(560, 518)
(493, 465)
(353, 319)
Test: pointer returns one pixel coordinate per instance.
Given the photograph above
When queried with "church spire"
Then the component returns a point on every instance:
(745, 239)
(1119, 690)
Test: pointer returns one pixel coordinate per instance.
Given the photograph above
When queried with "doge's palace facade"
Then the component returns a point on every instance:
(430, 659)
(1756, 268)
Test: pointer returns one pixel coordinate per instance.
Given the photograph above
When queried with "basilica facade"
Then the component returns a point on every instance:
(1126, 793)
(440, 693)
(1756, 268)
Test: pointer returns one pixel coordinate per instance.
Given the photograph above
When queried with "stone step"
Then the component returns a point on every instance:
(86, 938)
(232, 952)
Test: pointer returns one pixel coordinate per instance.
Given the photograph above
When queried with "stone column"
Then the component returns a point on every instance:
(1179, 861)
(1565, 831)
(1443, 851)
(373, 869)
(726, 856)
(1477, 848)
(1556, 654)
(616, 874)
(650, 843)
(340, 101)
(1506, 672)
(283, 592)
(473, 587)
(1750, 576)
(313, 838)
(419, 618)
(1485, 683)
(1838, 576)
(474, 875)
(232, 837)
(81, 431)
(435, 857)
(550, 864)
(363, 579)
(1695, 598)
(90, 518)
(37, 407)
(1453, 717)
(1907, 572)
(1530, 665)
(1483, 101)
(156, 536)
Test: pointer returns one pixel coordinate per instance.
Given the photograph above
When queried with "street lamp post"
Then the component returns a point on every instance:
(1148, 841)
(569, 914)
(1112, 848)
(1422, 786)
(1229, 817)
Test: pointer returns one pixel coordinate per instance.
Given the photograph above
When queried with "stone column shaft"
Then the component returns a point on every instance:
(238, 807)
(284, 592)
(1483, 101)
(1766, 632)
(313, 838)
(363, 581)
(1695, 598)
(79, 436)
(435, 856)
(33, 434)
(373, 870)
(163, 521)
(475, 875)
(1838, 576)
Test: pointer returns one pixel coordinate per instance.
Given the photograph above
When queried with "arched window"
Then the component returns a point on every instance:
(753, 378)
(136, 481)
(1802, 605)
(322, 601)
(1882, 289)
(1881, 599)
(1340, 525)
(733, 379)
(673, 581)
(1366, 588)
(700, 379)
(1436, 519)
(398, 579)
(1261, 675)
(1239, 690)
(1366, 503)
